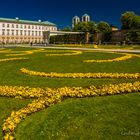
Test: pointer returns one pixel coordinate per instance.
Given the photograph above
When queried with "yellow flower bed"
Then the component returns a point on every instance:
(17, 116)
(125, 57)
(45, 97)
(48, 97)
(11, 59)
(20, 53)
(69, 45)
(81, 75)
(65, 54)
(5, 51)
(27, 92)
(22, 92)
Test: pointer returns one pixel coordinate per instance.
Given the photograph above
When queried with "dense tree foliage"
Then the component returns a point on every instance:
(66, 28)
(85, 27)
(133, 36)
(130, 20)
(104, 28)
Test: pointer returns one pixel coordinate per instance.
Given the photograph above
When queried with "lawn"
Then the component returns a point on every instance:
(107, 117)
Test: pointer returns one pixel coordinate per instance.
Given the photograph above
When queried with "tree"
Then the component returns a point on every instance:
(85, 27)
(133, 36)
(136, 22)
(130, 20)
(104, 28)
(66, 28)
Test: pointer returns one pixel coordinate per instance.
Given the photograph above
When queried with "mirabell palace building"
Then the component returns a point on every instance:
(23, 31)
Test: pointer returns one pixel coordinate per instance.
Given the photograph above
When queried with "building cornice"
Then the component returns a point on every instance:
(19, 21)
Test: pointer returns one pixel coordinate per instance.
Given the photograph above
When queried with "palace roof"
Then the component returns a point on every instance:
(17, 20)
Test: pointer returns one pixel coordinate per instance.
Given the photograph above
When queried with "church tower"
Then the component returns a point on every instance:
(75, 21)
(85, 18)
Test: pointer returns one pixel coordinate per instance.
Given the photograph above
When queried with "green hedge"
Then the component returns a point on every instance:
(68, 38)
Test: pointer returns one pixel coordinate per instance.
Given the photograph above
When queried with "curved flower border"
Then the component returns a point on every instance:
(80, 75)
(20, 53)
(125, 57)
(45, 97)
(54, 96)
(11, 59)
(65, 54)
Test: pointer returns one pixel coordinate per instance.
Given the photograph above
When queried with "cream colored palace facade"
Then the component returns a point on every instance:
(24, 31)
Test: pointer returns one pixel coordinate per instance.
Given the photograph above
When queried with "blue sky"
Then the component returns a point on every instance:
(61, 12)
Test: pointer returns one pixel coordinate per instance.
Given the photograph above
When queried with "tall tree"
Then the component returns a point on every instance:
(130, 20)
(136, 22)
(85, 27)
(104, 28)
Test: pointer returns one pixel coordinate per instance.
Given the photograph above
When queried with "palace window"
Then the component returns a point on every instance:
(20, 32)
(36, 33)
(39, 33)
(16, 32)
(24, 32)
(12, 25)
(12, 32)
(3, 31)
(8, 32)
(8, 25)
(17, 26)
(3, 25)
(29, 33)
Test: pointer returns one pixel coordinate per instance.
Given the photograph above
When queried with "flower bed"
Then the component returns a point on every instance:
(122, 58)
(53, 96)
(65, 54)
(45, 97)
(11, 59)
(81, 75)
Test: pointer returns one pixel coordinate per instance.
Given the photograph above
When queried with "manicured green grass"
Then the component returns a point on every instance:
(88, 118)
(10, 71)
(108, 118)
(7, 105)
